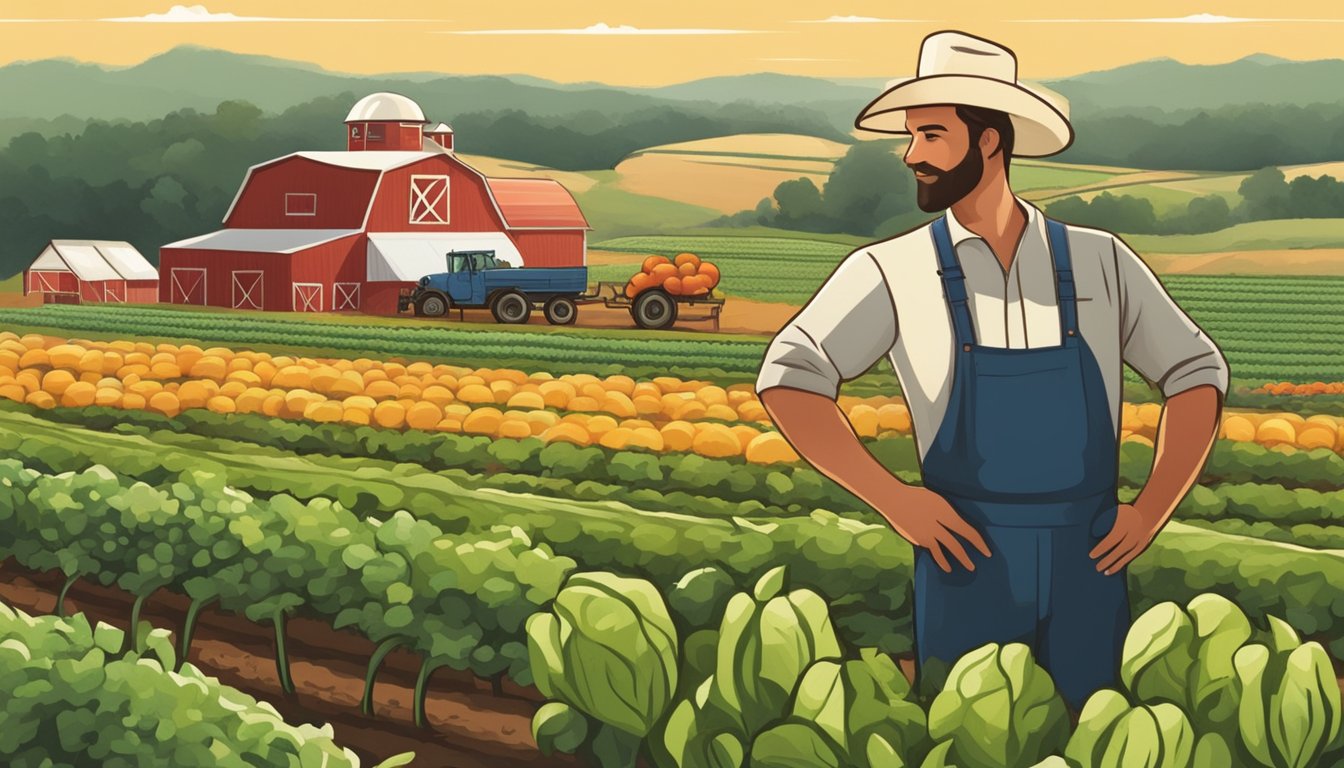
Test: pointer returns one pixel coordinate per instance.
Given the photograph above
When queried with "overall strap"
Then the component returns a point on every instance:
(1068, 306)
(954, 283)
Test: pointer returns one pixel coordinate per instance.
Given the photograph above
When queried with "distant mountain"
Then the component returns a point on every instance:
(1169, 85)
(200, 78)
(192, 76)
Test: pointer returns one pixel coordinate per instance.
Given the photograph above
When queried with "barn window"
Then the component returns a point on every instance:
(375, 132)
(300, 204)
(429, 199)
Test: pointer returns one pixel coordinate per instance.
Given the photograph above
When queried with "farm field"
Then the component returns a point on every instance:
(452, 549)
(400, 527)
(1242, 313)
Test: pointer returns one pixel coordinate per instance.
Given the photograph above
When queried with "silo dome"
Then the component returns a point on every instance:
(386, 106)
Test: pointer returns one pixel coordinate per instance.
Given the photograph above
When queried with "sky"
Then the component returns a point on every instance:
(655, 42)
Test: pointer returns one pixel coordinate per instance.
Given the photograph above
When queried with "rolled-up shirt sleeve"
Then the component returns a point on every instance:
(1157, 338)
(845, 328)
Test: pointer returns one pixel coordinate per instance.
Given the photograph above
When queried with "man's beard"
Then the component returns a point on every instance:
(950, 185)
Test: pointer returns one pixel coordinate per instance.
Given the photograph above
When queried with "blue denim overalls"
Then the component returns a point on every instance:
(1027, 454)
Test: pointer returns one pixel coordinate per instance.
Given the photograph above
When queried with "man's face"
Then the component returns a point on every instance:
(946, 163)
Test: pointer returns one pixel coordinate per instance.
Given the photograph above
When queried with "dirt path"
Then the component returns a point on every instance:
(469, 726)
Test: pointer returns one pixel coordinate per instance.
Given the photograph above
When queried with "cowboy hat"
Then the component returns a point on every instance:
(956, 68)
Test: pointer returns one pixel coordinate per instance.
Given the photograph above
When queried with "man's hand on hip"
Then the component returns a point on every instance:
(927, 520)
(1134, 529)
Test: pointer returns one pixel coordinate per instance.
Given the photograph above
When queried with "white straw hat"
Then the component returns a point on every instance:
(957, 68)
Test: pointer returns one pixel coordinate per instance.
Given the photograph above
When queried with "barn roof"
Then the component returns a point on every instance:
(367, 161)
(94, 260)
(263, 240)
(536, 203)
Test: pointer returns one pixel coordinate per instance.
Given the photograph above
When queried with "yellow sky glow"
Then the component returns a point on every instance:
(643, 43)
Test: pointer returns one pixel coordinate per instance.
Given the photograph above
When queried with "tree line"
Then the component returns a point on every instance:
(1265, 194)
(871, 193)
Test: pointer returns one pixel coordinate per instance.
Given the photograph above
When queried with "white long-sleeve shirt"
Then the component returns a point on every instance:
(886, 298)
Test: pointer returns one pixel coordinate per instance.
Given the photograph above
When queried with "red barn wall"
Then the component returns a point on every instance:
(34, 280)
(91, 291)
(340, 261)
(219, 267)
(549, 248)
(142, 291)
(469, 206)
(381, 298)
(342, 196)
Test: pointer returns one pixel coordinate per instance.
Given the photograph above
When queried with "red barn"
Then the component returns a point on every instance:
(324, 231)
(95, 270)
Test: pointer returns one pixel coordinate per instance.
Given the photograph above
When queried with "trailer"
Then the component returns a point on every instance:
(476, 279)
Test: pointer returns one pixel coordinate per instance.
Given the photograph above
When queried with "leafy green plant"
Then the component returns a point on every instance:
(766, 641)
(999, 709)
(607, 648)
(1112, 734)
(1289, 714)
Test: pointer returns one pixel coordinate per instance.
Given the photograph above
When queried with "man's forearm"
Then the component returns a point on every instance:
(1186, 433)
(819, 431)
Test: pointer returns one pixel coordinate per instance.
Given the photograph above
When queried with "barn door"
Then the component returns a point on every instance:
(345, 296)
(186, 286)
(307, 297)
(247, 289)
(114, 290)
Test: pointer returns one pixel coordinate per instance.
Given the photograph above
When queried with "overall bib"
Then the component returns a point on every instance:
(1027, 454)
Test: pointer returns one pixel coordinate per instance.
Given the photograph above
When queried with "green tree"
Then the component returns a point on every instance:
(1264, 195)
(800, 205)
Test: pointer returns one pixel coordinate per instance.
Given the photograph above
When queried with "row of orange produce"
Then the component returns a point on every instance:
(661, 414)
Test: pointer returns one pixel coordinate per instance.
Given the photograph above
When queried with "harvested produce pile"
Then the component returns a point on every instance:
(686, 275)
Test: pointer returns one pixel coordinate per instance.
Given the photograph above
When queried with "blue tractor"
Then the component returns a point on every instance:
(476, 279)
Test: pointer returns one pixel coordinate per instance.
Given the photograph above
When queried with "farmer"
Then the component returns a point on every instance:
(1006, 331)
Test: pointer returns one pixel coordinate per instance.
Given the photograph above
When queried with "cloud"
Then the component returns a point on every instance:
(602, 28)
(199, 14)
(1194, 18)
(858, 20)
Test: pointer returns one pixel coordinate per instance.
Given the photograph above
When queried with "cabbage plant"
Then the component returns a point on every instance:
(999, 709)
(1112, 734)
(861, 707)
(1289, 714)
(607, 648)
(766, 640)
(1184, 656)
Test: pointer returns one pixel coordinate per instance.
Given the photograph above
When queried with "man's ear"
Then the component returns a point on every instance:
(990, 138)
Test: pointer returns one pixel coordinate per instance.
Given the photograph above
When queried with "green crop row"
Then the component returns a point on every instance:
(457, 599)
(72, 697)
(772, 685)
(862, 569)
(584, 352)
(1247, 480)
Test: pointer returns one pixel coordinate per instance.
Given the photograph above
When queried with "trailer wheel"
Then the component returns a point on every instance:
(511, 307)
(654, 310)
(431, 305)
(561, 310)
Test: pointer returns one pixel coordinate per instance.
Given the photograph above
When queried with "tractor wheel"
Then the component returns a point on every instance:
(432, 305)
(511, 307)
(561, 310)
(654, 310)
